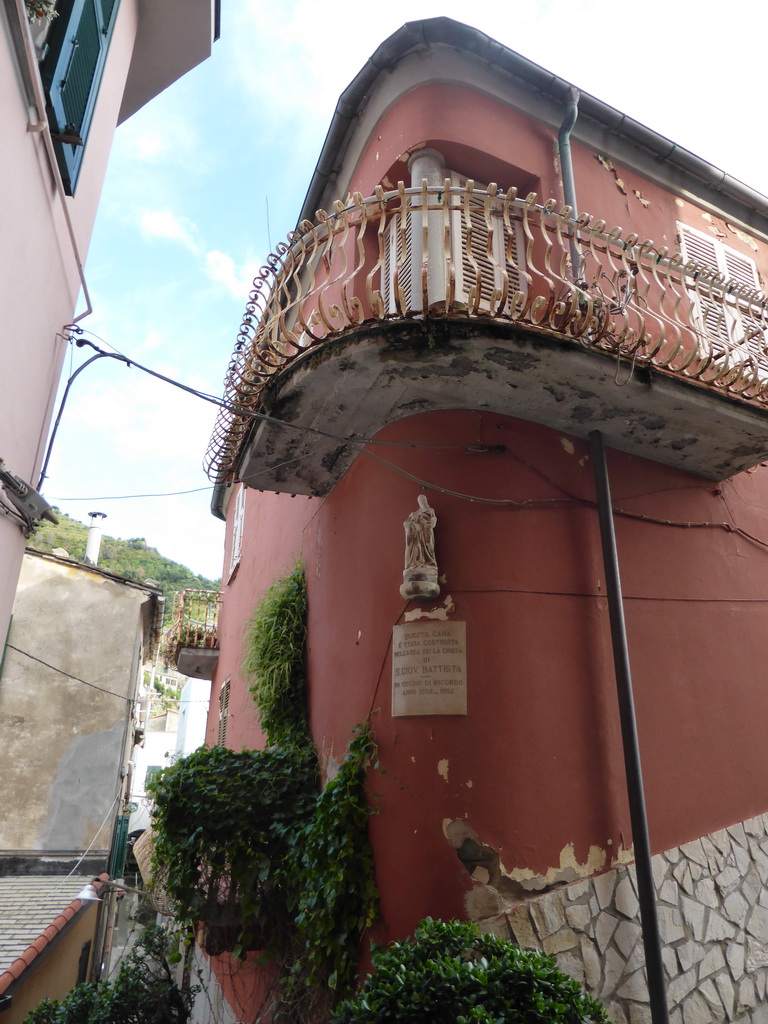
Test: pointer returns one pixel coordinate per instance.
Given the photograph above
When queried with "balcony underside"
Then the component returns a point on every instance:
(357, 384)
(197, 663)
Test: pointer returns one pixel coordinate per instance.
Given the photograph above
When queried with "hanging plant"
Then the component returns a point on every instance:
(225, 825)
(41, 10)
(274, 660)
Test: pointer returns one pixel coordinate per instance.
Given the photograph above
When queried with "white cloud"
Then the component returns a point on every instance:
(169, 226)
(222, 269)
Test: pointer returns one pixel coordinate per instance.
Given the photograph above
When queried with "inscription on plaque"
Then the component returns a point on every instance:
(429, 669)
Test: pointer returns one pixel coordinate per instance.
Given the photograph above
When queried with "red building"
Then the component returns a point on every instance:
(454, 325)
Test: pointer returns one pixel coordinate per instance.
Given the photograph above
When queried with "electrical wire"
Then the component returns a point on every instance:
(362, 445)
(120, 497)
(69, 675)
(96, 836)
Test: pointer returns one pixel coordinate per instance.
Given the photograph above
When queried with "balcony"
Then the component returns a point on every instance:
(456, 297)
(191, 642)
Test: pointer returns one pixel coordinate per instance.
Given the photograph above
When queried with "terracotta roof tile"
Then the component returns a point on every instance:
(34, 909)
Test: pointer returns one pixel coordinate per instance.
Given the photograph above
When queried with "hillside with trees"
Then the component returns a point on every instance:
(133, 559)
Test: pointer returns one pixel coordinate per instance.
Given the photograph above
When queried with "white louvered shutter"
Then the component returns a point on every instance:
(727, 323)
(398, 259)
(481, 250)
(237, 529)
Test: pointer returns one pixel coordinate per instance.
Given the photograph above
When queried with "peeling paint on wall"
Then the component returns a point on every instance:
(567, 444)
(744, 237)
(439, 612)
(442, 768)
(518, 882)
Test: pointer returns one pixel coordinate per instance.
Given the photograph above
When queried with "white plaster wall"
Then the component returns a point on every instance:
(193, 715)
(39, 278)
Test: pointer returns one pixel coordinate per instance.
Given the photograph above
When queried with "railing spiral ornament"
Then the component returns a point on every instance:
(485, 255)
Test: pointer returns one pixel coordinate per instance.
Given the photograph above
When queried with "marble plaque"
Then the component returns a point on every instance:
(429, 668)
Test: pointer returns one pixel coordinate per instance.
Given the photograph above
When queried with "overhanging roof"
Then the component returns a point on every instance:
(690, 172)
(173, 36)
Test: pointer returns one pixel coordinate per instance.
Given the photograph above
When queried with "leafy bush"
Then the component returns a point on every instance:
(225, 824)
(451, 974)
(252, 836)
(144, 992)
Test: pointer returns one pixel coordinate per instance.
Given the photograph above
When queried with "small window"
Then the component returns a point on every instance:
(221, 739)
(237, 530)
(82, 963)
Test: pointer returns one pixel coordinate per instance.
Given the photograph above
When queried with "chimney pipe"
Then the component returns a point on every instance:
(94, 538)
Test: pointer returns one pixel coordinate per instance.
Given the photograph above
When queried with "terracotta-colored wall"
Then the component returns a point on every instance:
(536, 764)
(463, 124)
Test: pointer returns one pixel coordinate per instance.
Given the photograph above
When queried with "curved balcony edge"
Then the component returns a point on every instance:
(356, 384)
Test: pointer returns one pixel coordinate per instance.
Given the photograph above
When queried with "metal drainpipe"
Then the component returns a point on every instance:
(566, 168)
(645, 885)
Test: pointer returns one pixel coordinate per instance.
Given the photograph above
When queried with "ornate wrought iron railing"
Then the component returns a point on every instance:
(195, 623)
(475, 254)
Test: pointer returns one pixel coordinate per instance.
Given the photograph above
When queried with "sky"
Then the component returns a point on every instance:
(210, 176)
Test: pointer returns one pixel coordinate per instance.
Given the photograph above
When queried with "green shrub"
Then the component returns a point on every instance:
(451, 974)
(225, 826)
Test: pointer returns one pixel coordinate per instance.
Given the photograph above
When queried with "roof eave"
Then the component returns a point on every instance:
(443, 31)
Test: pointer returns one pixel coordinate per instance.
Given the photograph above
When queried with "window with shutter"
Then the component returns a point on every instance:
(71, 75)
(484, 251)
(727, 323)
(237, 530)
(221, 739)
(398, 264)
(479, 250)
(119, 847)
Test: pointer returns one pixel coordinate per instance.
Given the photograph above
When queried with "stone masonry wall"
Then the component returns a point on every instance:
(713, 919)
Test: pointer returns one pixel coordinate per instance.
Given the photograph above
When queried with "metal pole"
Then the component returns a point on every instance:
(645, 885)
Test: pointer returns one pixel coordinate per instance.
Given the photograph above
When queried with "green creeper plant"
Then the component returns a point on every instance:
(225, 824)
(451, 973)
(274, 660)
(338, 898)
(251, 832)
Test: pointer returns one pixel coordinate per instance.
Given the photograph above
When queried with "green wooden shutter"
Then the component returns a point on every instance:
(72, 74)
(119, 847)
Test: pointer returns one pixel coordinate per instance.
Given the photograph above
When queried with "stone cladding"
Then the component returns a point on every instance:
(713, 920)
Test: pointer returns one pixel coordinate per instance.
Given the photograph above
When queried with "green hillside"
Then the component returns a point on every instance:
(133, 558)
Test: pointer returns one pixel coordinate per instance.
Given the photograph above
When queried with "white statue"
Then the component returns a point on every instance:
(420, 573)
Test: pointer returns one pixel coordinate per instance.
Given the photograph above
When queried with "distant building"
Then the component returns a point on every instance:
(167, 735)
(68, 709)
(69, 692)
(452, 326)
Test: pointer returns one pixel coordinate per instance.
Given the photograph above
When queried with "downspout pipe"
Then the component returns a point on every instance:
(645, 884)
(566, 168)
